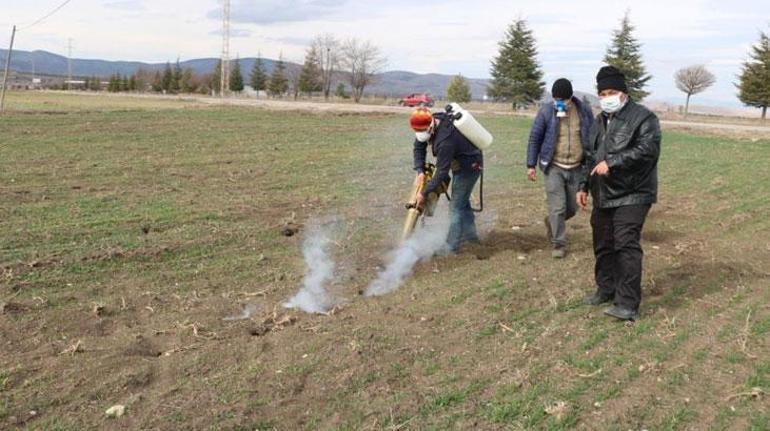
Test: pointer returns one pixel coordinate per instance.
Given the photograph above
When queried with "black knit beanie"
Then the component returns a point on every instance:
(609, 77)
(562, 89)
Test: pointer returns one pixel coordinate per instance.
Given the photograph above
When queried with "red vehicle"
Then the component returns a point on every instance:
(417, 99)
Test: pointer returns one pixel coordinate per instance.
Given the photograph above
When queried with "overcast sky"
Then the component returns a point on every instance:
(447, 36)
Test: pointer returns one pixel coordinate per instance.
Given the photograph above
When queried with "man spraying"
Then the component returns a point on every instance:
(454, 153)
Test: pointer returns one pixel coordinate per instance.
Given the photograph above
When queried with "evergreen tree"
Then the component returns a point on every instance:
(216, 78)
(624, 53)
(586, 101)
(458, 90)
(236, 78)
(341, 92)
(157, 82)
(132, 83)
(86, 83)
(516, 75)
(754, 85)
(176, 78)
(111, 85)
(96, 83)
(310, 76)
(258, 79)
(186, 84)
(279, 84)
(168, 78)
(124, 83)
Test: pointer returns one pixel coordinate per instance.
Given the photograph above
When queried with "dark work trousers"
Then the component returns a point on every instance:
(618, 269)
(561, 186)
(462, 221)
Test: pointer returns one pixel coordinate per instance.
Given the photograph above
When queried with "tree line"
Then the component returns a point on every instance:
(331, 66)
(344, 68)
(517, 75)
(352, 63)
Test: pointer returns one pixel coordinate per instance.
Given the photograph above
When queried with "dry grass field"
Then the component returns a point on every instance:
(131, 228)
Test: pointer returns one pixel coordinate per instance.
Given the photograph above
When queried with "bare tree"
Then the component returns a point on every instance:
(328, 49)
(693, 80)
(363, 60)
(294, 74)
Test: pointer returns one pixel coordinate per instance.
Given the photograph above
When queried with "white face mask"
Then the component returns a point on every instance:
(422, 136)
(611, 104)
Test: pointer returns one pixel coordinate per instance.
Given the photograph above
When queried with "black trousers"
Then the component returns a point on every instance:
(618, 269)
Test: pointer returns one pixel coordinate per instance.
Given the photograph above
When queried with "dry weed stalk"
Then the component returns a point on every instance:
(753, 393)
(745, 337)
(71, 350)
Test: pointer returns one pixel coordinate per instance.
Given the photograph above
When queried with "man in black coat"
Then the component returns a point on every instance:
(620, 169)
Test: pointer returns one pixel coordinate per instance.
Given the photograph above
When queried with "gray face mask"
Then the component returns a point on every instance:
(611, 104)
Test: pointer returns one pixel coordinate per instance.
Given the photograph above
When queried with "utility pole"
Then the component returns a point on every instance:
(7, 67)
(225, 72)
(69, 63)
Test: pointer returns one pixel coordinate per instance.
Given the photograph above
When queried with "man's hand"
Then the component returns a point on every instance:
(419, 201)
(531, 174)
(582, 199)
(419, 178)
(601, 169)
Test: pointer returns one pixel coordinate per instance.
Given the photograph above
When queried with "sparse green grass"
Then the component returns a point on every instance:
(760, 422)
(4, 379)
(176, 209)
(519, 406)
(761, 328)
(595, 339)
(760, 378)
(680, 417)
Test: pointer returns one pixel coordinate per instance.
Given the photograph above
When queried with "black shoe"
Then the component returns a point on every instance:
(621, 313)
(596, 299)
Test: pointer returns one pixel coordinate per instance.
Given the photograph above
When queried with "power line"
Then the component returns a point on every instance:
(69, 63)
(10, 51)
(5, 75)
(224, 73)
(48, 15)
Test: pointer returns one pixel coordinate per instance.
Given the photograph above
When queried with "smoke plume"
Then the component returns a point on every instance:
(423, 244)
(313, 296)
(246, 313)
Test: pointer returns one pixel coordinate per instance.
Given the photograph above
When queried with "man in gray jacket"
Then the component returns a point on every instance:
(556, 145)
(621, 172)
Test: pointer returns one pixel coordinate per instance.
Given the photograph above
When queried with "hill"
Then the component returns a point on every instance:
(391, 83)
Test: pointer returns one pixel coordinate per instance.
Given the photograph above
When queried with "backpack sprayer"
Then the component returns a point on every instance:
(479, 137)
(429, 205)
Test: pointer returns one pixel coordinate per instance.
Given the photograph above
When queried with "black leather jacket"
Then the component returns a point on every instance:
(630, 143)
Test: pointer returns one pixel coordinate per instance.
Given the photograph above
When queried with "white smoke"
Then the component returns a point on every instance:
(246, 313)
(313, 296)
(423, 244)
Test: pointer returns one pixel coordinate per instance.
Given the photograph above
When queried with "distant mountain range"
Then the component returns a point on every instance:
(392, 83)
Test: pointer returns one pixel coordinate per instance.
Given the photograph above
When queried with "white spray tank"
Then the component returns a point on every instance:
(469, 127)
